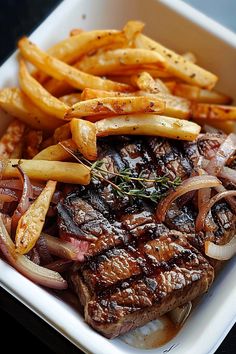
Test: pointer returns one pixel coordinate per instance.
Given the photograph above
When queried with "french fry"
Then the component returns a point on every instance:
(161, 86)
(190, 57)
(121, 59)
(71, 99)
(213, 112)
(31, 223)
(17, 104)
(71, 49)
(116, 105)
(84, 135)
(62, 133)
(131, 29)
(155, 73)
(56, 152)
(66, 172)
(177, 107)
(145, 82)
(11, 138)
(177, 65)
(197, 94)
(37, 93)
(148, 124)
(58, 88)
(227, 126)
(62, 71)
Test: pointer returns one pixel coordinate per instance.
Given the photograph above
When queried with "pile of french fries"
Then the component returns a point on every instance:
(100, 83)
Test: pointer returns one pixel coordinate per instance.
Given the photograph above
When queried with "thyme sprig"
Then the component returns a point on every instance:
(124, 183)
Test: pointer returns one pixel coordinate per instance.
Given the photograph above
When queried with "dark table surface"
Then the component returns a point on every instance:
(26, 330)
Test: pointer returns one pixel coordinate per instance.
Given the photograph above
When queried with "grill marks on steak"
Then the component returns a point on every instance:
(124, 289)
(137, 269)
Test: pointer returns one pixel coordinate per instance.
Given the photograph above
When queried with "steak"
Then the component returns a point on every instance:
(136, 269)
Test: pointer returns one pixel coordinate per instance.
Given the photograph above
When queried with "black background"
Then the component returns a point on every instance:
(25, 330)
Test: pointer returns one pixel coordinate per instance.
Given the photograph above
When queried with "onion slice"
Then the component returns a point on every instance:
(190, 184)
(225, 151)
(73, 250)
(27, 195)
(32, 271)
(7, 195)
(200, 221)
(228, 173)
(221, 252)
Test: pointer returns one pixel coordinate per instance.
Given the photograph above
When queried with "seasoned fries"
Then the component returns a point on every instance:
(56, 152)
(145, 82)
(116, 105)
(31, 223)
(177, 65)
(62, 71)
(121, 59)
(84, 135)
(42, 98)
(71, 49)
(145, 124)
(16, 103)
(195, 93)
(213, 112)
(66, 172)
(11, 139)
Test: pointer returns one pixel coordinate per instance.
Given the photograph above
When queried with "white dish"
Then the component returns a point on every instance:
(178, 26)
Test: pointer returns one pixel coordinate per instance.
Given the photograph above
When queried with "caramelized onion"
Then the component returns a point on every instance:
(27, 194)
(7, 195)
(200, 221)
(228, 173)
(34, 272)
(225, 151)
(60, 265)
(191, 184)
(221, 252)
(74, 249)
(179, 315)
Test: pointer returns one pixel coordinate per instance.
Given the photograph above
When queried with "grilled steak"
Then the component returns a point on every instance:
(136, 269)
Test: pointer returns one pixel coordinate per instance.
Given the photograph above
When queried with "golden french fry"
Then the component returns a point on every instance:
(66, 172)
(31, 223)
(62, 133)
(71, 49)
(148, 124)
(177, 65)
(195, 93)
(145, 82)
(190, 57)
(62, 71)
(58, 88)
(177, 107)
(71, 99)
(161, 86)
(121, 59)
(17, 104)
(131, 29)
(37, 93)
(213, 112)
(56, 152)
(11, 138)
(227, 126)
(84, 135)
(155, 73)
(116, 105)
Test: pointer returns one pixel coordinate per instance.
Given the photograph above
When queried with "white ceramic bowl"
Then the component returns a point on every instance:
(180, 27)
